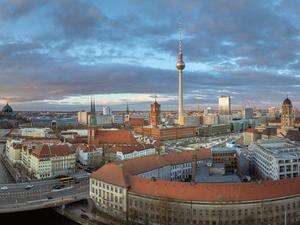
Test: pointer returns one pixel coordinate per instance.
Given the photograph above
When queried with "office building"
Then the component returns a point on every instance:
(224, 105)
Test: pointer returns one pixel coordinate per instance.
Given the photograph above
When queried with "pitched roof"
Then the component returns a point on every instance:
(85, 147)
(136, 122)
(113, 174)
(46, 151)
(115, 137)
(151, 162)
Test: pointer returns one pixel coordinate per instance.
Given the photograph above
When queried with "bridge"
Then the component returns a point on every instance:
(16, 197)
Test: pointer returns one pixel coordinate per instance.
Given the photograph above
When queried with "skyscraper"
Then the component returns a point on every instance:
(93, 120)
(224, 105)
(180, 65)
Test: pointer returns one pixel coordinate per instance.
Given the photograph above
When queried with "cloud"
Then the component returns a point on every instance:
(62, 49)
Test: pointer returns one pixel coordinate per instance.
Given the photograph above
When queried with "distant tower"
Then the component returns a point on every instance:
(287, 114)
(180, 65)
(93, 120)
(155, 114)
(127, 109)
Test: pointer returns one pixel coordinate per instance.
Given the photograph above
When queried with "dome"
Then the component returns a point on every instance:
(287, 101)
(7, 108)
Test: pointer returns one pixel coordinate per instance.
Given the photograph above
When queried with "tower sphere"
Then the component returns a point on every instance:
(180, 65)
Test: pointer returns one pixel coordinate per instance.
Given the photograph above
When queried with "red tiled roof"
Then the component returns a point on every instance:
(46, 151)
(151, 162)
(216, 192)
(136, 122)
(124, 137)
(85, 147)
(113, 174)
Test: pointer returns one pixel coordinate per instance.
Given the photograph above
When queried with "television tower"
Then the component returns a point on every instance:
(180, 65)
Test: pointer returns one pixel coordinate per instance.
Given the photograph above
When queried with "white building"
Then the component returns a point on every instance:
(13, 150)
(89, 155)
(118, 119)
(224, 105)
(104, 120)
(131, 152)
(48, 161)
(83, 117)
(276, 158)
(210, 119)
(106, 110)
(36, 132)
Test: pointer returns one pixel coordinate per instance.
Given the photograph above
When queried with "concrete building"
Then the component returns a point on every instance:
(224, 105)
(248, 113)
(275, 158)
(213, 130)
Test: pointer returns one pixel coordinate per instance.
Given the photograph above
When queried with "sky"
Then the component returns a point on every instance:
(56, 55)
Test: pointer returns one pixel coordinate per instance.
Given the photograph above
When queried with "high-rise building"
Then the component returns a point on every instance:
(287, 114)
(180, 65)
(224, 105)
(106, 111)
(93, 120)
(83, 117)
(155, 114)
(248, 113)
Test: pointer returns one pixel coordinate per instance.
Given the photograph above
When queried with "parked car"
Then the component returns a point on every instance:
(84, 216)
(4, 188)
(29, 186)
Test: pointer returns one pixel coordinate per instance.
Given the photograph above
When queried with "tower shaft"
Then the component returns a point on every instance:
(180, 99)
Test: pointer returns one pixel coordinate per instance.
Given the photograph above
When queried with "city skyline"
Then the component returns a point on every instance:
(128, 53)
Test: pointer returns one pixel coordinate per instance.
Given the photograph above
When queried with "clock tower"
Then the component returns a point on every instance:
(155, 114)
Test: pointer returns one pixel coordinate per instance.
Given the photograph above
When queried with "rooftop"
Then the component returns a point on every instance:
(279, 148)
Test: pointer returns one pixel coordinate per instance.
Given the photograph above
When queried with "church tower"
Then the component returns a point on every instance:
(155, 114)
